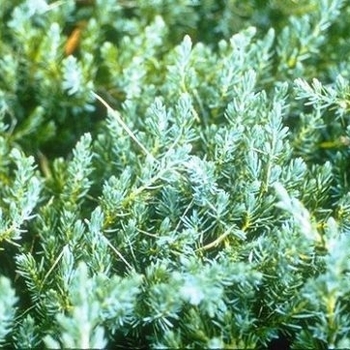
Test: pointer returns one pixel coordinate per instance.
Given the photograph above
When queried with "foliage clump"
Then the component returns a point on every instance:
(174, 174)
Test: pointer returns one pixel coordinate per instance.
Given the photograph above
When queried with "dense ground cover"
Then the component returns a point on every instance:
(174, 173)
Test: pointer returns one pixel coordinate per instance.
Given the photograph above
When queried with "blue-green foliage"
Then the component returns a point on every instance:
(178, 177)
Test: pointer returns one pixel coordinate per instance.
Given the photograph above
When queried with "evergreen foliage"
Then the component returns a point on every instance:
(174, 174)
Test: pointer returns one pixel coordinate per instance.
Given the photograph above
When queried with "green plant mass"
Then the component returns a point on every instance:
(174, 174)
